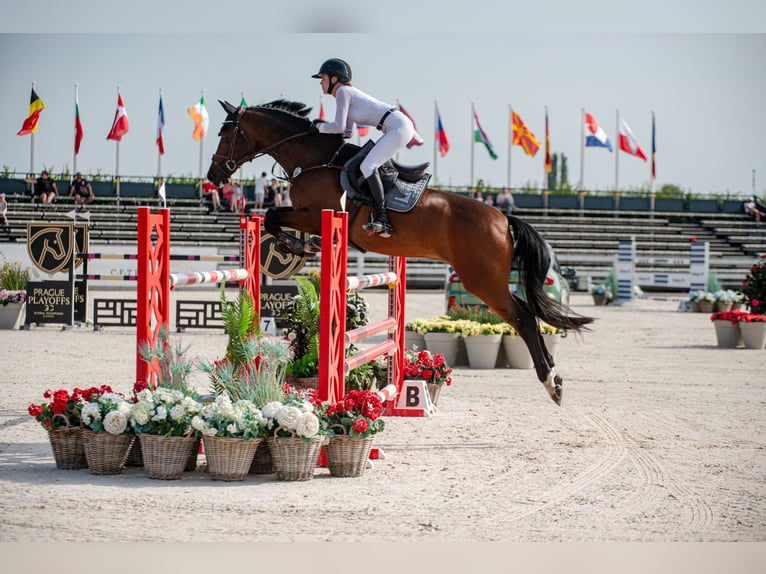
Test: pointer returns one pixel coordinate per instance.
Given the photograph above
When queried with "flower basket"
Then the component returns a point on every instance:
(444, 343)
(262, 462)
(165, 458)
(753, 334)
(68, 449)
(728, 334)
(482, 350)
(229, 459)
(135, 456)
(346, 455)
(105, 452)
(434, 390)
(294, 458)
(191, 462)
(517, 353)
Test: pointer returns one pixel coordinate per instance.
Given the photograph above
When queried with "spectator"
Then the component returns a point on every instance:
(210, 190)
(478, 196)
(44, 188)
(271, 194)
(751, 209)
(504, 201)
(260, 190)
(237, 201)
(82, 190)
(227, 193)
(3, 211)
(286, 200)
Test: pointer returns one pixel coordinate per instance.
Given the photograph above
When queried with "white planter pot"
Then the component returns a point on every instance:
(482, 350)
(728, 334)
(517, 353)
(444, 343)
(753, 335)
(552, 343)
(9, 315)
(413, 339)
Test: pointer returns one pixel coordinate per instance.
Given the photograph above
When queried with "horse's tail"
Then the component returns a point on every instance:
(531, 260)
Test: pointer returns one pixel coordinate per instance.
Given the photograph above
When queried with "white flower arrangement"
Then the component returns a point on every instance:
(164, 411)
(224, 418)
(295, 416)
(106, 412)
(702, 296)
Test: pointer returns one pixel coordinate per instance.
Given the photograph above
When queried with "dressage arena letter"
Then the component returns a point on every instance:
(414, 395)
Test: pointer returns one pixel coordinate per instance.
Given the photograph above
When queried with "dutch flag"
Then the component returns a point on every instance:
(595, 135)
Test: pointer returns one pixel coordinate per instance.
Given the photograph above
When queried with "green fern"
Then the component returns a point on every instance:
(240, 321)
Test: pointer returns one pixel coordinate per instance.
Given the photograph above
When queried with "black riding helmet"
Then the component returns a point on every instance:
(335, 67)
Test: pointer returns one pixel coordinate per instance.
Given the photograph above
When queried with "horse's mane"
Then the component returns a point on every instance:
(296, 109)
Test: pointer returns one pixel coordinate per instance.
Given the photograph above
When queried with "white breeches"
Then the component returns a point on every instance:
(397, 133)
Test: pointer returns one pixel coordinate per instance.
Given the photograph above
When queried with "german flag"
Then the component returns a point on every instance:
(36, 106)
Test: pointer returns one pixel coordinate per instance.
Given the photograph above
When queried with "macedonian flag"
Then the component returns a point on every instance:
(523, 136)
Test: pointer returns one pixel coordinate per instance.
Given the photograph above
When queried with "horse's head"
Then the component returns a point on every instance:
(247, 133)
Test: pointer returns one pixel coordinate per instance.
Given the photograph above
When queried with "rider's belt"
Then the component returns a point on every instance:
(384, 116)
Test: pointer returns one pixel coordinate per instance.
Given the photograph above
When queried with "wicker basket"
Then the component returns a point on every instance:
(68, 450)
(294, 458)
(135, 456)
(434, 391)
(347, 455)
(165, 458)
(229, 458)
(106, 452)
(262, 462)
(191, 462)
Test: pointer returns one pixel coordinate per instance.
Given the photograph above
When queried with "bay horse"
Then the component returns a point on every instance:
(477, 240)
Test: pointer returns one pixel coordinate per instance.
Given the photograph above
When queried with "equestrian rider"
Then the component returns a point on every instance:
(353, 106)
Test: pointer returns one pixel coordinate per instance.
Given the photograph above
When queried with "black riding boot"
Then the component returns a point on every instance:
(380, 225)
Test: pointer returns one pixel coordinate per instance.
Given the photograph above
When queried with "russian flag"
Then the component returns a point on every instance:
(595, 136)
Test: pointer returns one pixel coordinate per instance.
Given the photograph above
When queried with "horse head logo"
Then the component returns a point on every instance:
(49, 245)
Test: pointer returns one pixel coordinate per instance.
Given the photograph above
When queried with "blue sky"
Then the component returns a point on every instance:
(701, 70)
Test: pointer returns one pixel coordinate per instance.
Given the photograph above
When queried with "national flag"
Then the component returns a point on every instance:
(522, 136)
(654, 149)
(36, 106)
(198, 113)
(243, 103)
(441, 135)
(120, 124)
(416, 139)
(595, 135)
(78, 133)
(362, 130)
(480, 136)
(628, 142)
(321, 111)
(160, 127)
(548, 163)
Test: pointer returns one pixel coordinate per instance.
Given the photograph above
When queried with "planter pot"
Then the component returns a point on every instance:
(434, 391)
(721, 306)
(347, 455)
(9, 315)
(728, 334)
(229, 459)
(135, 457)
(704, 306)
(517, 353)
(444, 343)
(262, 462)
(106, 453)
(191, 462)
(482, 350)
(165, 458)
(413, 340)
(68, 449)
(600, 299)
(552, 343)
(753, 335)
(294, 458)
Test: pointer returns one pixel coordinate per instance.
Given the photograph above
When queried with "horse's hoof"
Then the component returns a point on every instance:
(313, 245)
(554, 385)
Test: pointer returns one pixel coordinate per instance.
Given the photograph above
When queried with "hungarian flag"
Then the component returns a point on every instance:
(77, 124)
(120, 124)
(654, 149)
(160, 127)
(441, 135)
(36, 106)
(628, 142)
(362, 130)
(522, 136)
(198, 113)
(480, 136)
(548, 164)
(416, 139)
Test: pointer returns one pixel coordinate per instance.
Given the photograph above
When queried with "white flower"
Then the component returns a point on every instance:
(115, 422)
(177, 395)
(308, 407)
(177, 412)
(125, 408)
(145, 396)
(190, 405)
(140, 413)
(307, 426)
(161, 415)
(232, 428)
(288, 417)
(210, 431)
(271, 409)
(198, 423)
(90, 412)
(111, 397)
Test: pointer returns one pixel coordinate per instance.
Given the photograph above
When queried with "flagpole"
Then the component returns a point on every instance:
(473, 140)
(545, 157)
(74, 155)
(436, 139)
(201, 144)
(653, 152)
(510, 144)
(159, 155)
(32, 147)
(617, 156)
(582, 148)
(241, 179)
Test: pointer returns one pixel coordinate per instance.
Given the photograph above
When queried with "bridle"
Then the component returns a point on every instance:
(231, 164)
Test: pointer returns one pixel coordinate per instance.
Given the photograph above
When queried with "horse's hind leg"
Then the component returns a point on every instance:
(302, 220)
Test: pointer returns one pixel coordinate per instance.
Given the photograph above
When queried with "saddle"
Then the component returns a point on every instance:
(402, 185)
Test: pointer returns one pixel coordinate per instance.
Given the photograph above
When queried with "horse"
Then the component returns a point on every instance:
(477, 240)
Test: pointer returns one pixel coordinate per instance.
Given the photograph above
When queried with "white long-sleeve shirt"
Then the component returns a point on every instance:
(353, 106)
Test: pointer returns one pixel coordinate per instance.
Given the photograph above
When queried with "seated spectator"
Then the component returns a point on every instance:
(237, 200)
(82, 190)
(44, 188)
(210, 191)
(751, 209)
(227, 192)
(270, 200)
(504, 201)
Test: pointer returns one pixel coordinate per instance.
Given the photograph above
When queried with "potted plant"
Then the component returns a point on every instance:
(702, 301)
(106, 435)
(302, 321)
(294, 434)
(429, 367)
(725, 299)
(60, 417)
(551, 337)
(754, 287)
(351, 425)
(442, 335)
(482, 332)
(727, 331)
(231, 432)
(13, 285)
(753, 328)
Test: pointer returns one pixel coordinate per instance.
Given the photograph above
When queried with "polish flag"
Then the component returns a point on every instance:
(628, 142)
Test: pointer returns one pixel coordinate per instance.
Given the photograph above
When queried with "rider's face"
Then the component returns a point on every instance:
(325, 83)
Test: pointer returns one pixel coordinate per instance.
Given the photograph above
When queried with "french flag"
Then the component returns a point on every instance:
(595, 136)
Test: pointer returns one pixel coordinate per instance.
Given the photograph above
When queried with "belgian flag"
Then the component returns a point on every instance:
(36, 106)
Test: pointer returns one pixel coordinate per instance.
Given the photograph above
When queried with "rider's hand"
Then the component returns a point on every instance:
(315, 126)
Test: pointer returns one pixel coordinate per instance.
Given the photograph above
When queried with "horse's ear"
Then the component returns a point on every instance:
(227, 107)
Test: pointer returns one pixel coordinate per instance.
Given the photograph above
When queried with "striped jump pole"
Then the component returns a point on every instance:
(178, 279)
(173, 257)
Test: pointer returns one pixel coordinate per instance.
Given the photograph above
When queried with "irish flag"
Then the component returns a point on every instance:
(480, 136)
(36, 106)
(198, 113)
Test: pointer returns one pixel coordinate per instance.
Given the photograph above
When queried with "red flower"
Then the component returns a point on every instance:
(35, 410)
(428, 374)
(360, 425)
(755, 302)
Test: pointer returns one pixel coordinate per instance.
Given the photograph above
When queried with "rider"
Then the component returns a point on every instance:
(352, 105)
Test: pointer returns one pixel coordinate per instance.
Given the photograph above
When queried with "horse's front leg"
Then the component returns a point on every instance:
(301, 220)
